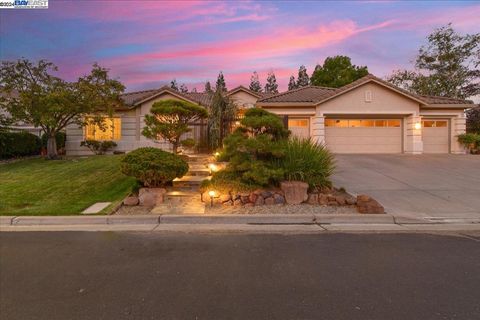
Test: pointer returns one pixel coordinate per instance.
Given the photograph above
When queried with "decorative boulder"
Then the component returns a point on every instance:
(150, 197)
(322, 199)
(312, 198)
(279, 199)
(259, 201)
(130, 201)
(341, 200)
(270, 201)
(366, 204)
(295, 191)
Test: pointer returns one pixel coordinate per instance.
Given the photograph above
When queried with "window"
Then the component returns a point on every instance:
(363, 123)
(434, 123)
(112, 130)
(393, 123)
(298, 123)
(368, 96)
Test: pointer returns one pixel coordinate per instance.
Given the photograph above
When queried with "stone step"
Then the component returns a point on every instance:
(190, 180)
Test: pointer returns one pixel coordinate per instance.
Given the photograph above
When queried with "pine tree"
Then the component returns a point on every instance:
(194, 90)
(174, 85)
(255, 83)
(303, 79)
(183, 88)
(291, 83)
(208, 87)
(271, 86)
(221, 82)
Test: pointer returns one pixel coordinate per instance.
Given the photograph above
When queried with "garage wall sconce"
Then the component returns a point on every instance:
(418, 126)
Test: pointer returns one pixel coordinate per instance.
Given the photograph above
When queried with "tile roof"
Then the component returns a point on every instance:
(132, 98)
(316, 95)
(311, 94)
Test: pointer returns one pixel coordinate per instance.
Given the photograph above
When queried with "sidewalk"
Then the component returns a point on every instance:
(237, 223)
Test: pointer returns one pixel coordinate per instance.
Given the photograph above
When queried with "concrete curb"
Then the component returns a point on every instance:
(200, 219)
(239, 219)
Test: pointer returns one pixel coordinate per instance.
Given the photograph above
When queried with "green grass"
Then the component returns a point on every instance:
(61, 187)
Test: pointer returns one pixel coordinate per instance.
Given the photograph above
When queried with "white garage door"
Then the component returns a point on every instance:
(435, 136)
(363, 135)
(300, 127)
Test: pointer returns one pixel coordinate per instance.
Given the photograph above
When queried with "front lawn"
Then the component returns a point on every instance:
(61, 187)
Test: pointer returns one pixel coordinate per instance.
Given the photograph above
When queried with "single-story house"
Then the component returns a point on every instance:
(369, 115)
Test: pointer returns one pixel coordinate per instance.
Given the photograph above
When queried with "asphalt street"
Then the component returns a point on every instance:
(135, 275)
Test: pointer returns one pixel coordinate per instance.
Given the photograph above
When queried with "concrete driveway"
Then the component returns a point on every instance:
(438, 186)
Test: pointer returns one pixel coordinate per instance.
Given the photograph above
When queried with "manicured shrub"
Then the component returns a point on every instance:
(60, 137)
(188, 143)
(307, 161)
(153, 167)
(18, 144)
(471, 141)
(98, 147)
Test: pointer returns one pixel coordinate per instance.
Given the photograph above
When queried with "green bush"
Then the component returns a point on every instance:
(18, 144)
(153, 167)
(307, 161)
(188, 143)
(60, 137)
(470, 140)
(98, 147)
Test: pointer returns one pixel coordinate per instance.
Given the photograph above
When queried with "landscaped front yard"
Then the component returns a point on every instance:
(61, 187)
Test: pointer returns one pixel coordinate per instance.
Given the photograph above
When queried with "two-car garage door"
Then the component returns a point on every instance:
(382, 135)
(364, 135)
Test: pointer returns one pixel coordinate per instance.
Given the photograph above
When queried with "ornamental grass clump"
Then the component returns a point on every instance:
(153, 167)
(307, 161)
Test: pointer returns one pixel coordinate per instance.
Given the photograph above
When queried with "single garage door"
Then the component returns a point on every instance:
(435, 136)
(364, 135)
(300, 127)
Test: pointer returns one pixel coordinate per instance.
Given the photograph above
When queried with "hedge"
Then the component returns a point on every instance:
(18, 144)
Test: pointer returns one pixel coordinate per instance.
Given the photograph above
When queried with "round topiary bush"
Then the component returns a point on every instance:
(153, 167)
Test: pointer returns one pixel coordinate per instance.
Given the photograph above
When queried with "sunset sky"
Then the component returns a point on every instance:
(147, 43)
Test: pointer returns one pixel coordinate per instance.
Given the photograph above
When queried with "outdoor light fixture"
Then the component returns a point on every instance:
(213, 167)
(212, 195)
(216, 154)
(418, 126)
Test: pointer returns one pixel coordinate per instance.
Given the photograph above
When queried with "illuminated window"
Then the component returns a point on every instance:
(434, 123)
(393, 123)
(110, 130)
(329, 123)
(380, 123)
(298, 123)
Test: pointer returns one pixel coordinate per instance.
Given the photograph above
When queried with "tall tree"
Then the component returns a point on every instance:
(221, 82)
(174, 84)
(208, 87)
(51, 103)
(194, 90)
(473, 120)
(336, 72)
(255, 83)
(271, 86)
(291, 83)
(169, 119)
(448, 65)
(302, 80)
(221, 114)
(183, 88)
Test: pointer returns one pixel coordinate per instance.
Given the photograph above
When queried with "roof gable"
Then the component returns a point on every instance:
(368, 79)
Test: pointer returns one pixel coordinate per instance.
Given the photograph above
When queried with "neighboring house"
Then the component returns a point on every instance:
(366, 116)
(19, 125)
(125, 128)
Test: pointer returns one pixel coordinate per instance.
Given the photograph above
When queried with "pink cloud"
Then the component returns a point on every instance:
(283, 42)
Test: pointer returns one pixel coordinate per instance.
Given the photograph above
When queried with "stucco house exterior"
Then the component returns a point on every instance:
(367, 116)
